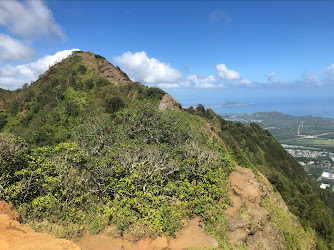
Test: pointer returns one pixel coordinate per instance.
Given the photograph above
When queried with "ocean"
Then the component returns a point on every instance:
(323, 107)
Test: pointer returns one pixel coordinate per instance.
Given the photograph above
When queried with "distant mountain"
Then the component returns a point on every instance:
(84, 147)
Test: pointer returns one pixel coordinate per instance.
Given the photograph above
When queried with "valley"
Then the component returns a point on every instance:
(309, 139)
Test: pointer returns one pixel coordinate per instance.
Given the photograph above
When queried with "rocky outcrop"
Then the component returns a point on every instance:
(104, 68)
(169, 103)
(14, 235)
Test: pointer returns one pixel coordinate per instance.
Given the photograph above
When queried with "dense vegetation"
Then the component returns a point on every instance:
(131, 178)
(80, 152)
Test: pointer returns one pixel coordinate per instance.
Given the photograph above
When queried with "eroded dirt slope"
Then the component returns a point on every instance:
(14, 235)
(249, 223)
(191, 236)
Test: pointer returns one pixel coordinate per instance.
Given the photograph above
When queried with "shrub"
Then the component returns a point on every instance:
(155, 93)
(3, 120)
(114, 104)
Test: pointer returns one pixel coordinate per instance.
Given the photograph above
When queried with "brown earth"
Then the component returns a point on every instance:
(9, 210)
(249, 223)
(103, 67)
(14, 235)
(168, 103)
(191, 236)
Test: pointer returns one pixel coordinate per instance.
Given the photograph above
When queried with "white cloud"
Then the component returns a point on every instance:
(14, 50)
(271, 74)
(329, 76)
(29, 19)
(217, 15)
(226, 74)
(168, 85)
(141, 68)
(245, 81)
(271, 79)
(330, 69)
(311, 78)
(201, 81)
(12, 77)
(248, 83)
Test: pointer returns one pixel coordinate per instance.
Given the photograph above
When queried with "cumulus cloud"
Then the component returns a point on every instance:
(29, 19)
(140, 67)
(14, 50)
(12, 77)
(306, 81)
(226, 74)
(152, 72)
(168, 85)
(201, 81)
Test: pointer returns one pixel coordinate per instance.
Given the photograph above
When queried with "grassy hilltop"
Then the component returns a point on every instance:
(84, 147)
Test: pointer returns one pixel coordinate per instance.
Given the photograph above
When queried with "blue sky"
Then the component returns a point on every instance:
(200, 52)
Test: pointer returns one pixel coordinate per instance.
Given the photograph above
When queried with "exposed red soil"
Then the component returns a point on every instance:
(14, 235)
(249, 223)
(9, 210)
(191, 236)
(104, 68)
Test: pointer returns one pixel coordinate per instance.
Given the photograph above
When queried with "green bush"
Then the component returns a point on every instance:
(114, 104)
(3, 120)
(155, 93)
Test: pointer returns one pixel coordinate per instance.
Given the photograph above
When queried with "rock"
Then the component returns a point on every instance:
(169, 103)
(104, 68)
(210, 127)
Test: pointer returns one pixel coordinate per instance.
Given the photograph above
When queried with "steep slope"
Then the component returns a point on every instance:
(259, 217)
(96, 149)
(256, 148)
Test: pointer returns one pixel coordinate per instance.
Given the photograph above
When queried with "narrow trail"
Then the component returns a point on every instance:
(249, 223)
(191, 236)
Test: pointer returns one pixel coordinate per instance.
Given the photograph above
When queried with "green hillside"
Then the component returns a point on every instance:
(84, 147)
(285, 127)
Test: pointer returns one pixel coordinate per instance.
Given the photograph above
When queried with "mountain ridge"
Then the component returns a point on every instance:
(97, 149)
